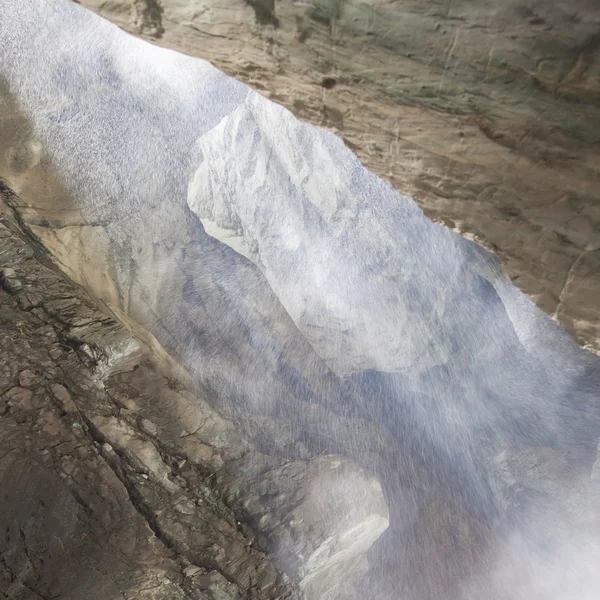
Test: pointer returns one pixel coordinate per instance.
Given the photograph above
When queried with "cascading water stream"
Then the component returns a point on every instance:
(302, 290)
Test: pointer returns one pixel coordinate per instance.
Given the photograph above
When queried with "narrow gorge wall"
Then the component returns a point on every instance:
(486, 113)
(374, 375)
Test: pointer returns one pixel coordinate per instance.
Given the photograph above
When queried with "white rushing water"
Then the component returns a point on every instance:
(304, 291)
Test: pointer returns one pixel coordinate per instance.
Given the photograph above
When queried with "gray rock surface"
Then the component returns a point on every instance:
(92, 507)
(352, 326)
(324, 515)
(110, 479)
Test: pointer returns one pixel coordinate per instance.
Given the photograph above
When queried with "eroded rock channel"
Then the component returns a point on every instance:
(301, 385)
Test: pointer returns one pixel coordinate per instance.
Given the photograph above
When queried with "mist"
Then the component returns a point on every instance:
(315, 305)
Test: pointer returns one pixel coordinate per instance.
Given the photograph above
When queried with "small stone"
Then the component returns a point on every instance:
(63, 398)
(50, 373)
(19, 396)
(9, 281)
(12, 286)
(28, 379)
(82, 452)
(126, 414)
(129, 404)
(191, 571)
(149, 427)
(25, 303)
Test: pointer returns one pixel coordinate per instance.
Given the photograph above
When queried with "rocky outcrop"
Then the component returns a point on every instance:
(313, 308)
(324, 514)
(111, 478)
(92, 504)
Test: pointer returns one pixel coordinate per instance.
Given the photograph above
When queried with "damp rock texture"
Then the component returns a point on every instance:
(357, 391)
(109, 471)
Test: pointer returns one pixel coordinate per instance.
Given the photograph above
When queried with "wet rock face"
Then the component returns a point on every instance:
(350, 327)
(495, 137)
(123, 482)
(324, 515)
(92, 506)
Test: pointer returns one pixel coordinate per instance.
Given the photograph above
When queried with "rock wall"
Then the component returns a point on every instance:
(352, 326)
(117, 481)
(486, 113)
